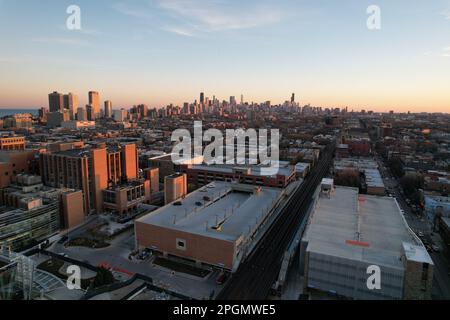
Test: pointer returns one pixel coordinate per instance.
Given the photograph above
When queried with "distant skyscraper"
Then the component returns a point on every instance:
(186, 109)
(293, 98)
(82, 114)
(143, 110)
(94, 102)
(56, 102)
(90, 113)
(108, 109)
(120, 115)
(242, 99)
(43, 114)
(202, 98)
(71, 104)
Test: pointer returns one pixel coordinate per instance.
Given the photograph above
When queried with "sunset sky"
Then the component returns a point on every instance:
(160, 52)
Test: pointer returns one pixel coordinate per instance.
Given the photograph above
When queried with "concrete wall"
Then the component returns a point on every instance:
(418, 280)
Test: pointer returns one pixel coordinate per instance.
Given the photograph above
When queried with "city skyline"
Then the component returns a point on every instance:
(166, 52)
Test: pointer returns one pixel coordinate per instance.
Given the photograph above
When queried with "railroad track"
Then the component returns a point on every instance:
(255, 276)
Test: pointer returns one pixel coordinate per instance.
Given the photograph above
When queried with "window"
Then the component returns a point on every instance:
(181, 244)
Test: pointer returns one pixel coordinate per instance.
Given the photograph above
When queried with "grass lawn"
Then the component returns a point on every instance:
(179, 267)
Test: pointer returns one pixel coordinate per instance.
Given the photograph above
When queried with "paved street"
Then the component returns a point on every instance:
(441, 281)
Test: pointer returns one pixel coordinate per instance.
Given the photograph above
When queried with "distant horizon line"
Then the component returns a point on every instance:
(360, 110)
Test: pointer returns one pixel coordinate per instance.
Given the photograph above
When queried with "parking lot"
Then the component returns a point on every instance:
(117, 257)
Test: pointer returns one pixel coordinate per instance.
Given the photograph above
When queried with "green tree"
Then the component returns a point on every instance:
(396, 166)
(104, 277)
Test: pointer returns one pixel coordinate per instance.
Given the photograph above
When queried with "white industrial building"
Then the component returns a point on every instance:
(347, 233)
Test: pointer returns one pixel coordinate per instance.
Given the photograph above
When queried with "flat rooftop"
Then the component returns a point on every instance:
(359, 227)
(236, 208)
(255, 170)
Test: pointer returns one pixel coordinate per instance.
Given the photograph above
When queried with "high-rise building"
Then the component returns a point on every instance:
(55, 119)
(143, 111)
(120, 115)
(186, 108)
(152, 174)
(91, 170)
(71, 104)
(55, 102)
(108, 109)
(94, 102)
(202, 98)
(82, 114)
(43, 114)
(293, 98)
(90, 112)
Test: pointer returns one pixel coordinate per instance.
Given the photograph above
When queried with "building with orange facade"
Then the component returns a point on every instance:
(13, 163)
(91, 169)
(175, 187)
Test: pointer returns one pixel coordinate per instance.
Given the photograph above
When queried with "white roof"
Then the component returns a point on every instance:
(235, 206)
(365, 228)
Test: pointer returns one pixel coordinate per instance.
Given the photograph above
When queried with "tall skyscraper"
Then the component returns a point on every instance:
(56, 102)
(82, 114)
(90, 113)
(202, 98)
(71, 104)
(94, 102)
(293, 98)
(108, 109)
(143, 110)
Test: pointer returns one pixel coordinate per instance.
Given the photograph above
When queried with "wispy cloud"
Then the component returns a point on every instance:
(446, 13)
(179, 30)
(196, 17)
(137, 12)
(446, 52)
(82, 31)
(62, 41)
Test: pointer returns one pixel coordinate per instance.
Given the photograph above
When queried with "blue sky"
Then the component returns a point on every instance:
(167, 51)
